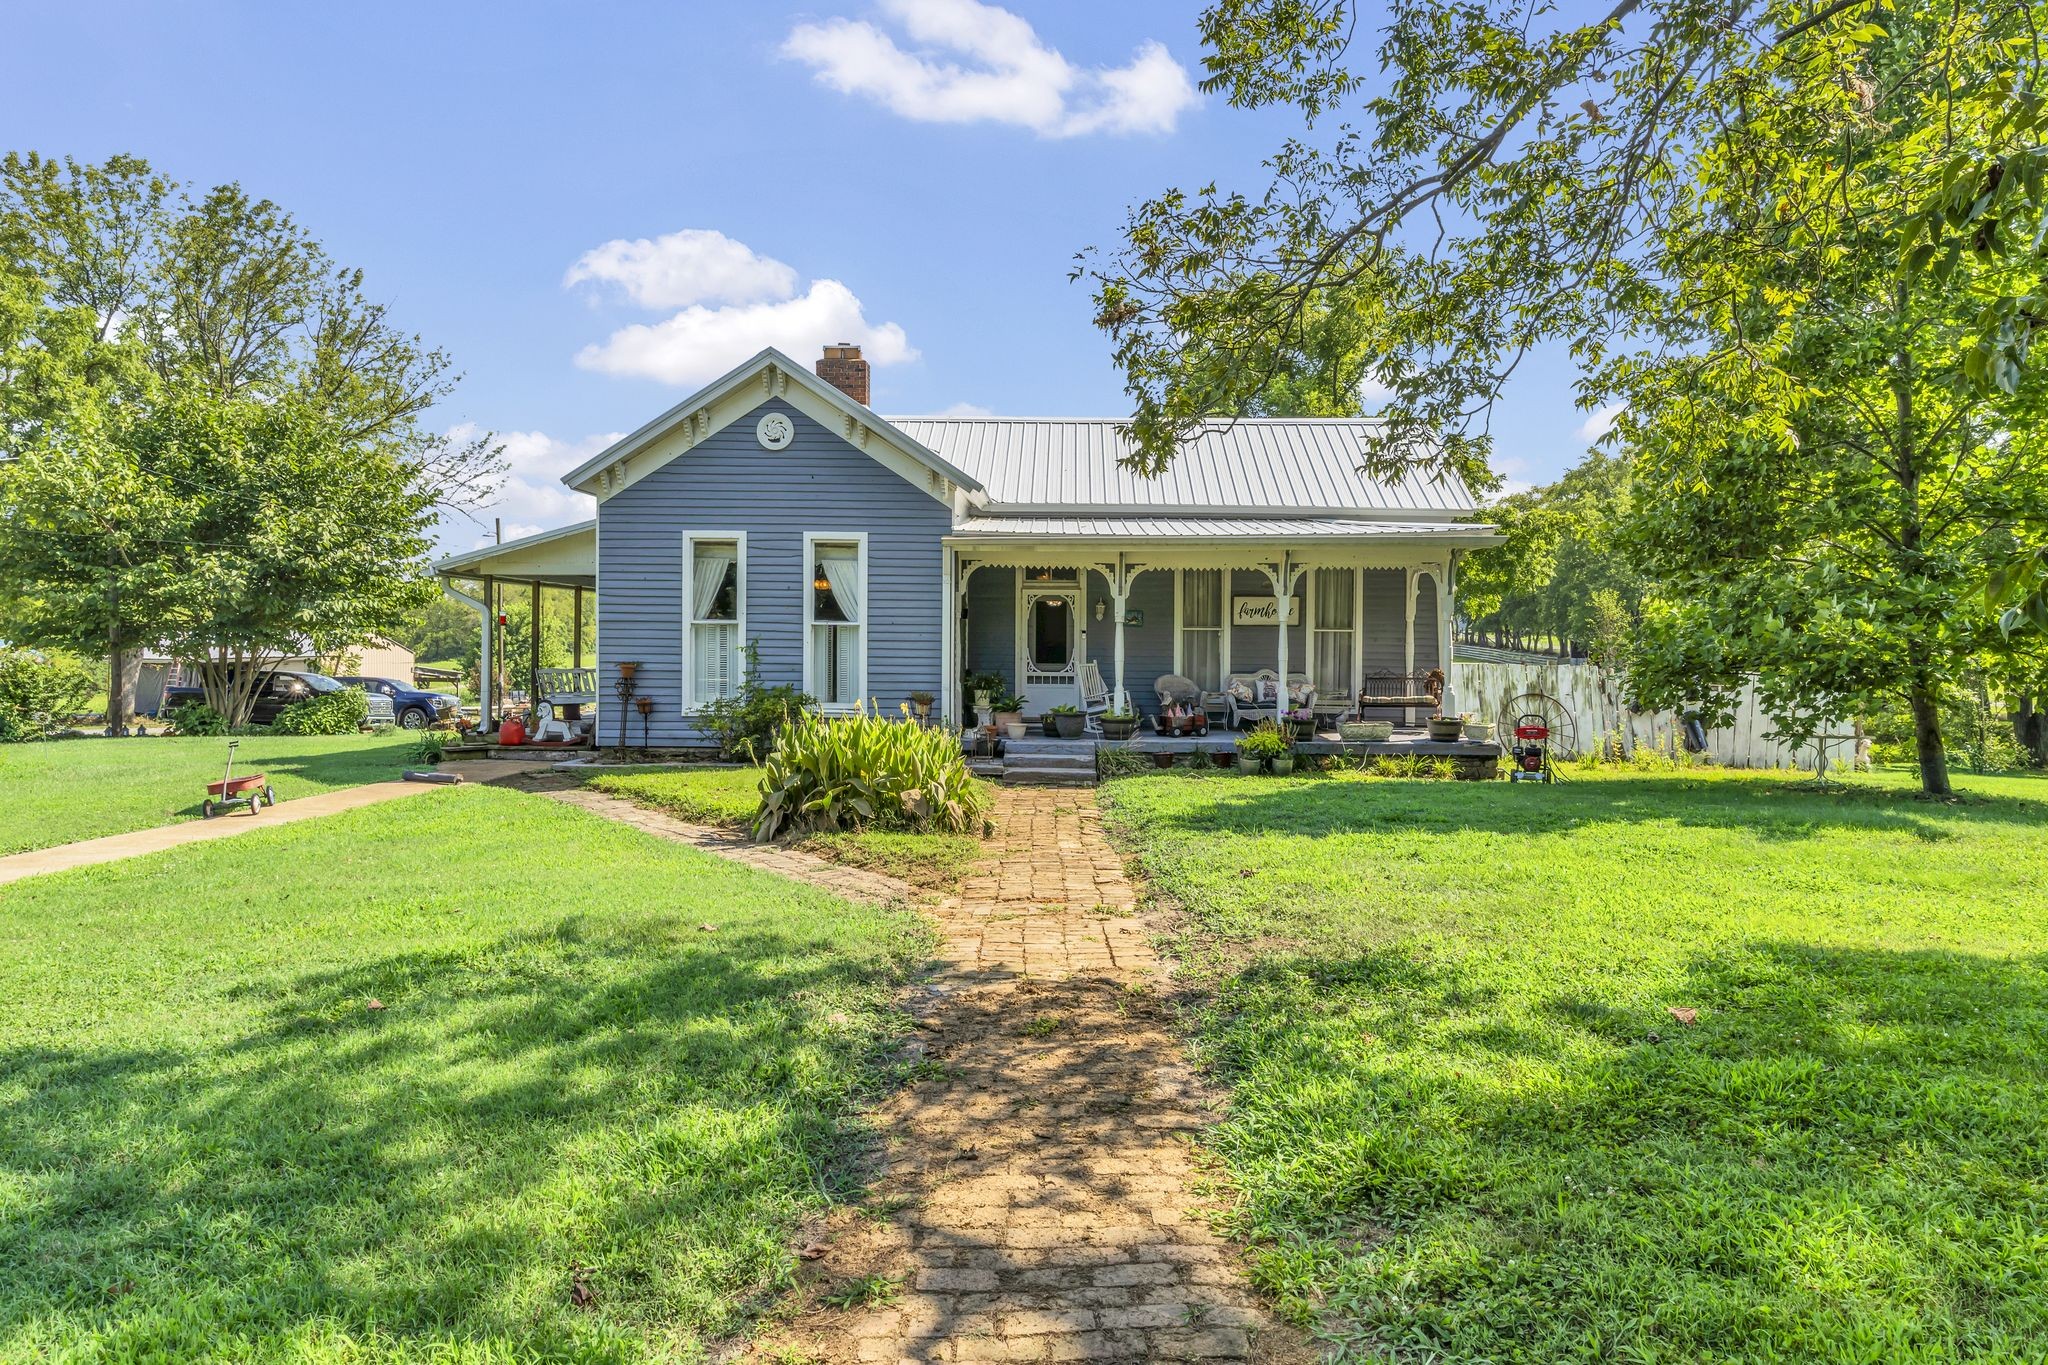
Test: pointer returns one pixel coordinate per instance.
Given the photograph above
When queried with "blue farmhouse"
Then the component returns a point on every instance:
(866, 558)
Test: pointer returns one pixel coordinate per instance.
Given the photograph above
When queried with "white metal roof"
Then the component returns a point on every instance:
(1283, 466)
(1216, 528)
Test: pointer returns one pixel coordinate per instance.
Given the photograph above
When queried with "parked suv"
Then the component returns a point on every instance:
(280, 689)
(416, 707)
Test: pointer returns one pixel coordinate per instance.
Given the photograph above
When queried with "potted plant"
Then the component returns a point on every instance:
(921, 702)
(1163, 758)
(1481, 730)
(1259, 747)
(1301, 723)
(1446, 727)
(982, 687)
(1009, 714)
(1119, 725)
(1064, 720)
(1219, 757)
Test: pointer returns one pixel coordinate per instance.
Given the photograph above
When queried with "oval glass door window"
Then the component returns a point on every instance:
(1052, 634)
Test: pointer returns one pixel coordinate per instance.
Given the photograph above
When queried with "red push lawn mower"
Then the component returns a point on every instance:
(253, 790)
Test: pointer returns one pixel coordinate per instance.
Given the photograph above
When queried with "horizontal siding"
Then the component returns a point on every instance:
(820, 484)
(1148, 649)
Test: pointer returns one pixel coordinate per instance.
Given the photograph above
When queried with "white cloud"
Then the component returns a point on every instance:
(700, 343)
(1600, 423)
(971, 62)
(533, 497)
(966, 410)
(696, 265)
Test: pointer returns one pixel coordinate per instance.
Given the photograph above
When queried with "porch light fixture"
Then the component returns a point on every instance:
(1101, 608)
(820, 582)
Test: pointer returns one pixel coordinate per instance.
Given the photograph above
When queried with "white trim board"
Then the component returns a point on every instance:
(813, 539)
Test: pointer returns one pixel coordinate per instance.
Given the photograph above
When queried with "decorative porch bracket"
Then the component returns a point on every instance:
(1120, 574)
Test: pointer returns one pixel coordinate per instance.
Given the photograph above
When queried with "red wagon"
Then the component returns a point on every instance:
(252, 790)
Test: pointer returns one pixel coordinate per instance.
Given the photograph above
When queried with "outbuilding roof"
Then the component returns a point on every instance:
(1278, 466)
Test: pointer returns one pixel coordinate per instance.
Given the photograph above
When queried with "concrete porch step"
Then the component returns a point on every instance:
(1049, 777)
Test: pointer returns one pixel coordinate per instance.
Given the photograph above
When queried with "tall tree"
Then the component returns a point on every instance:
(1813, 210)
(123, 290)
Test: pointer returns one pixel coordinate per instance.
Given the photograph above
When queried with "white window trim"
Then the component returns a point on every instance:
(690, 539)
(858, 539)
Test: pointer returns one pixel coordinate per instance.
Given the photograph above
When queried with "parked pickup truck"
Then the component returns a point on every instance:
(280, 689)
(417, 708)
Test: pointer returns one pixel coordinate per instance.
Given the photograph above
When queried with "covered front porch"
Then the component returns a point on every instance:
(539, 574)
(1348, 610)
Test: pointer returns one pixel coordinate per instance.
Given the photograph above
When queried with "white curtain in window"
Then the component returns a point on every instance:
(835, 648)
(1330, 651)
(1201, 627)
(714, 640)
(842, 570)
(707, 575)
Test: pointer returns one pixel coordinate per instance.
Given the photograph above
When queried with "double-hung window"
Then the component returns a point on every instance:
(835, 620)
(1201, 628)
(715, 591)
(1334, 592)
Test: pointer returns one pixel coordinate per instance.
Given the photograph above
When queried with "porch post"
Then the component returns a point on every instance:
(533, 643)
(1283, 593)
(577, 628)
(485, 656)
(1446, 621)
(1118, 599)
(1408, 600)
(949, 632)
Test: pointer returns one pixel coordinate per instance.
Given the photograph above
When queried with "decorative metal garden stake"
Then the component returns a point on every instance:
(625, 689)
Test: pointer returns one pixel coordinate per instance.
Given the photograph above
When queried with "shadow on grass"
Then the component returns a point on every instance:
(1839, 1156)
(655, 1109)
(1764, 808)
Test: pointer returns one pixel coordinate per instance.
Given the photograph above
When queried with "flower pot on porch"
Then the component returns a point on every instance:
(1481, 730)
(1016, 728)
(1005, 719)
(1067, 725)
(1119, 728)
(1445, 728)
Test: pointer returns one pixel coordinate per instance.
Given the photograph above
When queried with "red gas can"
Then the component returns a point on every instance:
(513, 731)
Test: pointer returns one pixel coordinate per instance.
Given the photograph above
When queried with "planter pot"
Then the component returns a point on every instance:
(981, 701)
(1441, 728)
(1481, 730)
(1067, 727)
(1303, 729)
(1251, 767)
(1005, 719)
(1283, 766)
(1016, 728)
(1224, 758)
(1366, 731)
(1118, 729)
(1162, 758)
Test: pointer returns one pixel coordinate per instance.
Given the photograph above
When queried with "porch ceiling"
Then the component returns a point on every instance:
(562, 558)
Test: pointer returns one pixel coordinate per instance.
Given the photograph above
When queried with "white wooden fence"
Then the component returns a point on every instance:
(1594, 698)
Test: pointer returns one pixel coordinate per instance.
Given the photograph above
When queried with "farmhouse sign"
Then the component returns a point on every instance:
(1262, 611)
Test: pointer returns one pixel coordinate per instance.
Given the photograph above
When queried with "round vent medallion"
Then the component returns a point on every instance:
(775, 431)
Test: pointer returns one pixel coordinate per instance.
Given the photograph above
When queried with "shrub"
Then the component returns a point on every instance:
(38, 693)
(197, 718)
(331, 713)
(429, 748)
(745, 723)
(859, 770)
(1112, 761)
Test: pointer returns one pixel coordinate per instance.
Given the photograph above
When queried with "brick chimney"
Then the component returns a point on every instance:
(845, 371)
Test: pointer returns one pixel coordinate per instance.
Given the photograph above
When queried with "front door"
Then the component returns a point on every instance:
(1049, 647)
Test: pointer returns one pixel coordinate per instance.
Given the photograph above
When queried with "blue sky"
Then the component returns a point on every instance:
(593, 207)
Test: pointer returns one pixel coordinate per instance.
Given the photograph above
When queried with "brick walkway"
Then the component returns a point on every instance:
(1036, 1200)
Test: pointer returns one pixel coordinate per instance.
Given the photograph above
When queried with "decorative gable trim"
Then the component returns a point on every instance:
(770, 375)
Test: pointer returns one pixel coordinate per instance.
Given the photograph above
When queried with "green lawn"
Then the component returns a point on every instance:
(212, 1147)
(1465, 1126)
(66, 790)
(728, 797)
